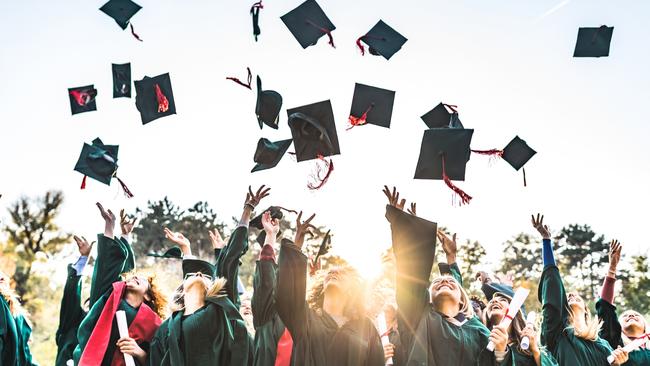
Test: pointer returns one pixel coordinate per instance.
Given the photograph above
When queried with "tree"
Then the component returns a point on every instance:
(470, 257)
(635, 290)
(33, 231)
(523, 256)
(582, 254)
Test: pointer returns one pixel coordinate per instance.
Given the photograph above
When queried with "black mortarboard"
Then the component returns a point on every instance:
(450, 145)
(324, 246)
(197, 265)
(268, 154)
(517, 153)
(171, 253)
(308, 22)
(382, 40)
(98, 161)
(256, 222)
(440, 117)
(121, 11)
(375, 103)
(122, 80)
(593, 42)
(314, 131)
(154, 97)
(82, 99)
(267, 108)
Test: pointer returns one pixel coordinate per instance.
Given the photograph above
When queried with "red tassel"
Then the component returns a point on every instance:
(321, 180)
(163, 103)
(324, 30)
(81, 97)
(126, 190)
(491, 152)
(524, 171)
(250, 79)
(451, 106)
(135, 34)
(358, 121)
(360, 45)
(83, 183)
(464, 197)
(257, 5)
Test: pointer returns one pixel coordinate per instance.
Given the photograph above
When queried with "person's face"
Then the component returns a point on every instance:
(575, 301)
(245, 308)
(336, 278)
(138, 284)
(632, 322)
(4, 281)
(496, 309)
(194, 279)
(445, 287)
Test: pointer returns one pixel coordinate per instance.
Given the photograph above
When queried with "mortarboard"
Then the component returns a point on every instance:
(196, 266)
(593, 42)
(99, 162)
(308, 22)
(154, 97)
(443, 155)
(121, 80)
(382, 40)
(516, 153)
(82, 99)
(324, 246)
(121, 11)
(268, 106)
(171, 253)
(268, 154)
(440, 117)
(255, 14)
(314, 131)
(371, 105)
(256, 222)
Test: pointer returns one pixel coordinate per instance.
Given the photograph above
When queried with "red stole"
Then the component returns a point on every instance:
(283, 352)
(142, 328)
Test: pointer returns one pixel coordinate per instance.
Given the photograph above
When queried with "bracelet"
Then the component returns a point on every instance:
(250, 205)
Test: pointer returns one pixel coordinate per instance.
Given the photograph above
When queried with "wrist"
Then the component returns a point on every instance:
(451, 259)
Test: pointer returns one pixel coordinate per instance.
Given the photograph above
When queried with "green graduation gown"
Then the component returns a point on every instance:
(556, 335)
(14, 338)
(611, 332)
(317, 338)
(70, 317)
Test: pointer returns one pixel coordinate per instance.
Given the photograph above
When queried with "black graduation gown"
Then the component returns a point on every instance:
(70, 317)
(612, 331)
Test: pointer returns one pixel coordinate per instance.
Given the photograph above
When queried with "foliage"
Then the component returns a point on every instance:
(636, 285)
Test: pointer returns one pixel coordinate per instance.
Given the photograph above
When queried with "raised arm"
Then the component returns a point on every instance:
(450, 247)
(264, 280)
(605, 308)
(551, 291)
(292, 282)
(217, 243)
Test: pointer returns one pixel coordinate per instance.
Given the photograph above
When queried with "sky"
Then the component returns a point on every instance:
(507, 64)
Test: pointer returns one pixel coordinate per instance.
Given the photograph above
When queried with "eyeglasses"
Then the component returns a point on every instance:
(198, 274)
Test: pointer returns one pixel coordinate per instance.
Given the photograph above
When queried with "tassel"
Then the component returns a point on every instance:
(524, 171)
(288, 210)
(83, 182)
(250, 79)
(360, 45)
(324, 30)
(163, 103)
(135, 35)
(321, 180)
(464, 197)
(255, 13)
(126, 190)
(451, 106)
(491, 152)
(358, 121)
(81, 97)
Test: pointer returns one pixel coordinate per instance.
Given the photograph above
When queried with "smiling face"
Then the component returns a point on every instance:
(445, 288)
(497, 308)
(137, 284)
(576, 303)
(633, 323)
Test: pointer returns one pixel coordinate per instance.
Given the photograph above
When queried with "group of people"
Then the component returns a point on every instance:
(302, 316)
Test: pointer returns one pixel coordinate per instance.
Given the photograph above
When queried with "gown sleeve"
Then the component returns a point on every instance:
(452, 270)
(71, 313)
(611, 329)
(291, 289)
(112, 257)
(228, 262)
(552, 295)
(263, 300)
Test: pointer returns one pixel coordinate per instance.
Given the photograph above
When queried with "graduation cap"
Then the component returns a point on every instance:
(308, 22)
(198, 266)
(593, 42)
(371, 105)
(99, 162)
(443, 155)
(268, 154)
(171, 253)
(121, 80)
(516, 153)
(122, 11)
(256, 222)
(82, 99)
(440, 117)
(267, 107)
(255, 14)
(382, 40)
(154, 97)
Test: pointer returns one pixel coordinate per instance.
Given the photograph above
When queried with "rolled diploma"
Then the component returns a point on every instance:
(516, 303)
(381, 324)
(530, 319)
(123, 328)
(632, 346)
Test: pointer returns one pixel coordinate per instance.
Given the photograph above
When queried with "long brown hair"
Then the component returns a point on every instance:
(592, 325)
(516, 327)
(356, 304)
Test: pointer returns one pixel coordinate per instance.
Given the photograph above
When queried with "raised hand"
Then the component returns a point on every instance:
(126, 224)
(484, 278)
(83, 245)
(448, 245)
(271, 226)
(253, 199)
(614, 255)
(302, 228)
(538, 224)
(109, 220)
(216, 239)
(180, 240)
(412, 210)
(393, 198)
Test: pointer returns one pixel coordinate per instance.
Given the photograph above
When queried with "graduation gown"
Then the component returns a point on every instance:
(317, 338)
(14, 338)
(612, 330)
(435, 341)
(70, 317)
(556, 335)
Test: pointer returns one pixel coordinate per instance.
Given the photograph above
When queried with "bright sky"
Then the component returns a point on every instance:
(507, 64)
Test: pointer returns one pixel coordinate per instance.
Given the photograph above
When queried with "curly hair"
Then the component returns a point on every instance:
(13, 301)
(355, 307)
(157, 300)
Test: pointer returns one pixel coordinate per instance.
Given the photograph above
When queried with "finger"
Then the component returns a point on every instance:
(122, 214)
(111, 214)
(310, 218)
(101, 208)
(133, 221)
(453, 238)
(76, 238)
(250, 192)
(402, 202)
(299, 217)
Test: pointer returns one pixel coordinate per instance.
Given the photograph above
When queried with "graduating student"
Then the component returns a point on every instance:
(138, 296)
(438, 326)
(630, 326)
(568, 330)
(206, 327)
(331, 327)
(15, 328)
(72, 312)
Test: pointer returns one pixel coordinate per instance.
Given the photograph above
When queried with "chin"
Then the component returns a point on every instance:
(194, 281)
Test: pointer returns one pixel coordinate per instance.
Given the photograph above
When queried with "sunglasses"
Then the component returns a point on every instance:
(198, 274)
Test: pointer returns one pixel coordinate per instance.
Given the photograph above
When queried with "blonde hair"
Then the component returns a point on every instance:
(592, 325)
(356, 304)
(217, 289)
(465, 305)
(13, 300)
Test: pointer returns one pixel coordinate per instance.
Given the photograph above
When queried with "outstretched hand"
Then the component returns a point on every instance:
(126, 224)
(216, 239)
(109, 220)
(253, 199)
(412, 210)
(448, 245)
(302, 228)
(180, 240)
(538, 224)
(615, 248)
(393, 198)
(84, 247)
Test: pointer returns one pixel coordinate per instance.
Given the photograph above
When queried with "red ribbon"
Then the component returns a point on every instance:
(320, 179)
(451, 106)
(491, 152)
(127, 191)
(163, 103)
(250, 79)
(360, 45)
(81, 97)
(358, 121)
(464, 197)
(283, 351)
(324, 30)
(83, 182)
(135, 35)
